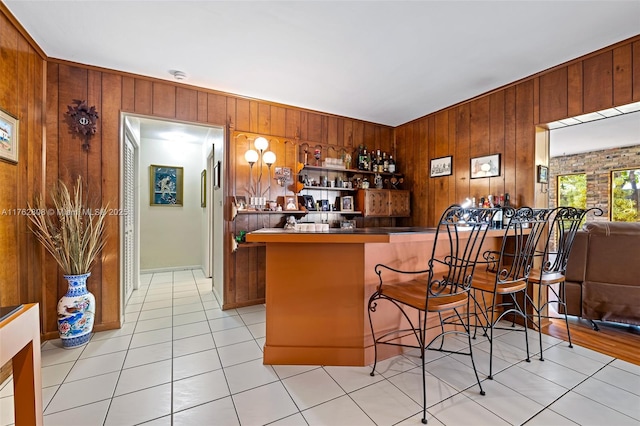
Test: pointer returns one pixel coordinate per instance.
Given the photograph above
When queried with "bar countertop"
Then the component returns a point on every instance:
(337, 235)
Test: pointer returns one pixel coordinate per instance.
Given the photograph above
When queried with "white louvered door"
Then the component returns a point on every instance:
(129, 217)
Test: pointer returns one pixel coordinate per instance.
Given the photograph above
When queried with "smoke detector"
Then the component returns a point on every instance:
(178, 75)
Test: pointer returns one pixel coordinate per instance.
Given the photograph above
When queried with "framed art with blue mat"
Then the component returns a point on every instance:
(165, 184)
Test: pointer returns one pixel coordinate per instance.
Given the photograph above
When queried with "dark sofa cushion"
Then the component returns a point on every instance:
(611, 287)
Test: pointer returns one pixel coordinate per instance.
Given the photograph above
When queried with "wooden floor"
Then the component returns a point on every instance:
(617, 340)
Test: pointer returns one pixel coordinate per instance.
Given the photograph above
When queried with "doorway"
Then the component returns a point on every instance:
(175, 233)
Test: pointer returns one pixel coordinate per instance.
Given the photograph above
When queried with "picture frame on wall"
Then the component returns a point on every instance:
(203, 188)
(166, 185)
(9, 126)
(442, 166)
(486, 166)
(543, 174)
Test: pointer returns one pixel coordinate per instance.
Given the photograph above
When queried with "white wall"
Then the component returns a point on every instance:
(171, 236)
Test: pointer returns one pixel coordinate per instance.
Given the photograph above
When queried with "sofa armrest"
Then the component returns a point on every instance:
(577, 263)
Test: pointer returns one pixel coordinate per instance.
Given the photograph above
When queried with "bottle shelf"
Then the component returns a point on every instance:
(328, 188)
(355, 213)
(271, 212)
(350, 171)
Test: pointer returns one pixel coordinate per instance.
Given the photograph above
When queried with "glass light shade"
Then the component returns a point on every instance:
(261, 143)
(251, 156)
(269, 157)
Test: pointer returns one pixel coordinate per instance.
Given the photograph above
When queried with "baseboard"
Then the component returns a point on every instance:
(171, 269)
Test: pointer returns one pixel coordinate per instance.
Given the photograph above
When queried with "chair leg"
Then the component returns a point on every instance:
(539, 313)
(371, 307)
(473, 363)
(524, 316)
(424, 385)
(491, 324)
(563, 291)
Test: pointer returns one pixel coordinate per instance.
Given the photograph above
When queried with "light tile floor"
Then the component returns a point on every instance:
(179, 360)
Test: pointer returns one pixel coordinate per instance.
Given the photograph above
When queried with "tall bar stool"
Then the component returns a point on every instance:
(442, 288)
(500, 289)
(563, 225)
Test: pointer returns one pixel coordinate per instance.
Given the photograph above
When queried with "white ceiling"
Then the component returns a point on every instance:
(386, 62)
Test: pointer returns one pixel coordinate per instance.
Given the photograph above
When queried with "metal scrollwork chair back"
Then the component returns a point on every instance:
(564, 223)
(441, 288)
(500, 289)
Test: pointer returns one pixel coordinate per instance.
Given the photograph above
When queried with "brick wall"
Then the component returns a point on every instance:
(598, 166)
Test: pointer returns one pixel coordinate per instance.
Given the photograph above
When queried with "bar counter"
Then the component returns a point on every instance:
(318, 285)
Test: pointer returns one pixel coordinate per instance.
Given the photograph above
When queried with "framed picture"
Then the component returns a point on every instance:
(290, 203)
(309, 202)
(487, 166)
(324, 205)
(241, 202)
(346, 204)
(543, 174)
(8, 137)
(165, 185)
(441, 166)
(203, 188)
(217, 170)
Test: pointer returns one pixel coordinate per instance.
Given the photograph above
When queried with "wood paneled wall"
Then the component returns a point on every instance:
(37, 90)
(504, 121)
(22, 94)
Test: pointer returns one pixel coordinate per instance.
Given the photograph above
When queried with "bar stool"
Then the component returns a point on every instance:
(443, 287)
(563, 225)
(500, 289)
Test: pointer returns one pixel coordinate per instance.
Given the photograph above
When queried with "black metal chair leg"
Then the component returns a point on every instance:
(424, 389)
(373, 336)
(524, 316)
(539, 312)
(566, 319)
(473, 363)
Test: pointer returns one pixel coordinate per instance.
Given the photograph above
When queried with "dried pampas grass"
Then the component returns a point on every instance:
(69, 230)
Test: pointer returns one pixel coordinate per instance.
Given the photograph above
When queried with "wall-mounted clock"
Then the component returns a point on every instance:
(83, 120)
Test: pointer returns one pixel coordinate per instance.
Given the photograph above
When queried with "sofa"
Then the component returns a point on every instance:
(603, 273)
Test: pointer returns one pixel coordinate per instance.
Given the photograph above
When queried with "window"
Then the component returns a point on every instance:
(572, 190)
(625, 195)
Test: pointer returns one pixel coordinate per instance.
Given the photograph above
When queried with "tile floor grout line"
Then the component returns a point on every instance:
(106, 414)
(563, 355)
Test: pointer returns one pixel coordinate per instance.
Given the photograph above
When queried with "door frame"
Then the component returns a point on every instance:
(211, 216)
(134, 137)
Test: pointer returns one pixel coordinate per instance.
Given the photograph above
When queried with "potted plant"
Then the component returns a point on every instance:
(73, 233)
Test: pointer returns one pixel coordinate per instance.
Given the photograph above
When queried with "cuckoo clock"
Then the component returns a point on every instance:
(82, 119)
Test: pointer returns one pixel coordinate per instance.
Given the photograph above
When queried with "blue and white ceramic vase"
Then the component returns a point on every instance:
(76, 310)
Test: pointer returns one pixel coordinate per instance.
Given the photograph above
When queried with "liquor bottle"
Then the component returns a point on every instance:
(497, 217)
(392, 164)
(359, 158)
(366, 164)
(378, 168)
(506, 218)
(385, 162)
(362, 158)
(374, 162)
